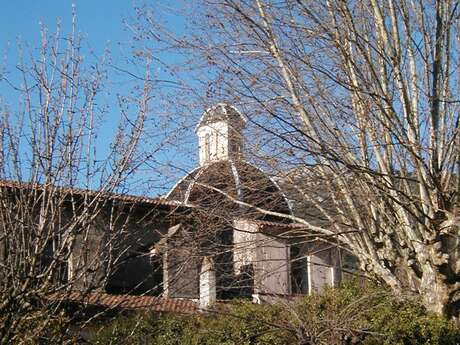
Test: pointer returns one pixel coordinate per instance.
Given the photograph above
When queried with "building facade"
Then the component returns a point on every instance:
(224, 230)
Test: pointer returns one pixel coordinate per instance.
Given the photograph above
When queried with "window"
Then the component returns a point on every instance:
(234, 146)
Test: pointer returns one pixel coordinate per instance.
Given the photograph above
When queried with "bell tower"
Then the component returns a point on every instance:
(220, 133)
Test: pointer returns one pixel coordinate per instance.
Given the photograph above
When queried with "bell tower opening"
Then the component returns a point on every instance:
(220, 134)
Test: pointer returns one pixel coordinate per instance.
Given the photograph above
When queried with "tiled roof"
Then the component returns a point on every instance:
(264, 223)
(129, 302)
(220, 185)
(221, 112)
(277, 225)
(292, 230)
(85, 192)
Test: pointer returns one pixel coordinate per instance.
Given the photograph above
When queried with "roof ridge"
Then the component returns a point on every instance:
(207, 118)
(96, 193)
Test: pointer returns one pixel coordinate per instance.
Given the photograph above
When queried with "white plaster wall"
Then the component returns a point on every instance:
(321, 270)
(244, 242)
(272, 269)
(268, 255)
(207, 284)
(322, 266)
(218, 135)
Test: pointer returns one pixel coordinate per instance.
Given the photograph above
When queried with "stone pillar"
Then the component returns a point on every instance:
(207, 283)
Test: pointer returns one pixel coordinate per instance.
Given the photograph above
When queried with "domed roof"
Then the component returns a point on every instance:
(221, 185)
(221, 112)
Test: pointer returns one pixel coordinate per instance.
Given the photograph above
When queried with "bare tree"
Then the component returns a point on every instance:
(354, 104)
(51, 158)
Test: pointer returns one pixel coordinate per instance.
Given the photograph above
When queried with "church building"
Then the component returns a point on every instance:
(255, 248)
(225, 230)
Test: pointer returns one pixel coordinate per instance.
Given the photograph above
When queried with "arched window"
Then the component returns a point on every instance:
(234, 147)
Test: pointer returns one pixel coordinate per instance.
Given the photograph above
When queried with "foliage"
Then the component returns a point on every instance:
(402, 322)
(49, 149)
(351, 104)
(38, 327)
(370, 314)
(336, 314)
(353, 314)
(242, 323)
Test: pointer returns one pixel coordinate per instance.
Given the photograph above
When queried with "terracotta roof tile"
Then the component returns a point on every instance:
(130, 302)
(86, 192)
(266, 223)
(282, 225)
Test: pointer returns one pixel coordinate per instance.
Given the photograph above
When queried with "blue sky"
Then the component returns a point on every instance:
(100, 22)
(100, 19)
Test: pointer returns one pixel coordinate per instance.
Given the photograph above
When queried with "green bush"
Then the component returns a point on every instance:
(352, 314)
(245, 323)
(370, 314)
(406, 322)
(242, 323)
(36, 327)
